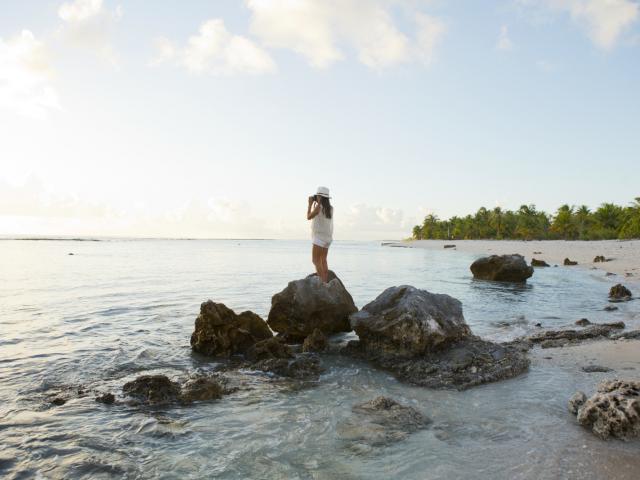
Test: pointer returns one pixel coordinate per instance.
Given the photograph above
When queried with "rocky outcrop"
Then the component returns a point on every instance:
(220, 332)
(267, 349)
(316, 342)
(619, 292)
(381, 421)
(559, 338)
(152, 390)
(406, 321)
(613, 411)
(308, 304)
(601, 258)
(276, 357)
(538, 263)
(159, 390)
(569, 263)
(502, 268)
(423, 339)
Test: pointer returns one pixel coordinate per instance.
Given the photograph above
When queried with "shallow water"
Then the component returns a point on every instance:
(117, 309)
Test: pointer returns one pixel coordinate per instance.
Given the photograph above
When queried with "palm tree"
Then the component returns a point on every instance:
(583, 215)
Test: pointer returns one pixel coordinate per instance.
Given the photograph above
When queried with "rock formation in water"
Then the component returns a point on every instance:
(159, 390)
(316, 342)
(613, 411)
(560, 338)
(308, 304)
(502, 268)
(381, 421)
(619, 292)
(219, 331)
(569, 263)
(601, 258)
(538, 263)
(423, 338)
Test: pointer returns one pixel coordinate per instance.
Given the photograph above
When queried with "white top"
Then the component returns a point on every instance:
(322, 227)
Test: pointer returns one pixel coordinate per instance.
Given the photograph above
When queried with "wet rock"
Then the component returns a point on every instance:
(461, 365)
(632, 335)
(619, 292)
(219, 331)
(450, 246)
(58, 401)
(381, 421)
(537, 253)
(583, 322)
(610, 308)
(608, 274)
(406, 321)
(576, 401)
(152, 389)
(316, 342)
(600, 258)
(270, 348)
(595, 369)
(305, 366)
(569, 263)
(502, 268)
(308, 304)
(557, 338)
(106, 398)
(613, 411)
(538, 263)
(202, 388)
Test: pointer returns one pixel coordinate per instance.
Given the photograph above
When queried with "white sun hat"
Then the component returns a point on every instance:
(323, 192)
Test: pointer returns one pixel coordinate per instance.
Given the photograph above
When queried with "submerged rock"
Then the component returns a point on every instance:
(502, 268)
(569, 263)
(583, 322)
(381, 421)
(539, 263)
(619, 292)
(613, 411)
(558, 338)
(406, 321)
(308, 304)
(152, 389)
(202, 388)
(219, 331)
(595, 369)
(610, 308)
(106, 398)
(316, 342)
(267, 349)
(305, 366)
(631, 335)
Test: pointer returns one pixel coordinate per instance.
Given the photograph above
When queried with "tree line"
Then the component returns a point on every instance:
(608, 221)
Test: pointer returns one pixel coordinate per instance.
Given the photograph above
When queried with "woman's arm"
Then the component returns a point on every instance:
(312, 210)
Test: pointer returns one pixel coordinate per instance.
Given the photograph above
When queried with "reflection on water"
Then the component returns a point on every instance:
(116, 309)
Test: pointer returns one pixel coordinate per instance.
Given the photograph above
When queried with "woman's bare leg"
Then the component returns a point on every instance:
(316, 259)
(325, 266)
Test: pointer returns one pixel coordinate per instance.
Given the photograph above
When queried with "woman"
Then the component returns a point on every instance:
(320, 212)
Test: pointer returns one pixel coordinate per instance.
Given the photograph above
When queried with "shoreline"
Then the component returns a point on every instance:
(623, 255)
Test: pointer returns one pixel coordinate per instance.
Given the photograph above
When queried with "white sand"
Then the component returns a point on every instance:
(624, 255)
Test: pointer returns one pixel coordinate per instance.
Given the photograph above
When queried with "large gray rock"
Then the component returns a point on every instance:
(423, 338)
(502, 268)
(613, 411)
(381, 421)
(406, 321)
(307, 304)
(220, 332)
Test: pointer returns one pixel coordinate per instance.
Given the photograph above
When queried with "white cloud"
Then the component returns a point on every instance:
(367, 221)
(25, 77)
(88, 25)
(504, 42)
(604, 20)
(216, 51)
(322, 30)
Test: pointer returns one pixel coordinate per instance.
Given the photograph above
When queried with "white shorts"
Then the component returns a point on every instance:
(320, 243)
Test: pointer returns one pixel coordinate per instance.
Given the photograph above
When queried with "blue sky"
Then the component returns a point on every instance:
(218, 118)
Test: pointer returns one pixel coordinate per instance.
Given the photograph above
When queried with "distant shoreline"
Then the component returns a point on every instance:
(624, 255)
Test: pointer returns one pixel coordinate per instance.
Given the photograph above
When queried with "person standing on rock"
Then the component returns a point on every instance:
(320, 212)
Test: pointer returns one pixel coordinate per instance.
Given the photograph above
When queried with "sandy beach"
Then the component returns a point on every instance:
(623, 256)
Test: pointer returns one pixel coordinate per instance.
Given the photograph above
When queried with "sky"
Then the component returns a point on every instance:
(217, 119)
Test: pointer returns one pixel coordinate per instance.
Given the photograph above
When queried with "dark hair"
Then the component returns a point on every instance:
(327, 209)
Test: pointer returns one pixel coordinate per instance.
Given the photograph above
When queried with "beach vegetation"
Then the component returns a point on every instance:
(569, 222)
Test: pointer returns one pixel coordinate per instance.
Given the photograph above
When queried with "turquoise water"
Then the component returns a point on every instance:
(120, 308)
